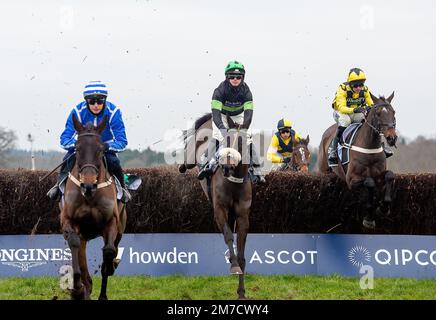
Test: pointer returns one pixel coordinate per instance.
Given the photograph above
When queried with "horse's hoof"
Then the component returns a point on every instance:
(78, 294)
(242, 298)
(109, 254)
(116, 263)
(383, 211)
(102, 298)
(236, 270)
(370, 224)
(182, 168)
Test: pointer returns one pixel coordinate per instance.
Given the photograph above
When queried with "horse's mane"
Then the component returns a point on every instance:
(186, 134)
(200, 121)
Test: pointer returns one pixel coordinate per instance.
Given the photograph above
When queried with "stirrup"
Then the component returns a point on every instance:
(203, 172)
(257, 179)
(388, 153)
(256, 175)
(260, 179)
(126, 196)
(333, 157)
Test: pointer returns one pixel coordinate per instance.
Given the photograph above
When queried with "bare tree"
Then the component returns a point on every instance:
(7, 142)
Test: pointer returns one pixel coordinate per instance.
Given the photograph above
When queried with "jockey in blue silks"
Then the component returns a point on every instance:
(93, 109)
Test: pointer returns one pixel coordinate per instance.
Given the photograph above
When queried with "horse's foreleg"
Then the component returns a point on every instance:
(369, 219)
(242, 231)
(73, 241)
(221, 221)
(86, 278)
(110, 233)
(389, 178)
(117, 241)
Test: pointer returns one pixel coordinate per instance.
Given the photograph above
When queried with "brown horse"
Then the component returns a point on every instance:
(229, 190)
(367, 165)
(300, 156)
(91, 209)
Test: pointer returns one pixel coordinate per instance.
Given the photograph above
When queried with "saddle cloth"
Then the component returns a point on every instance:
(347, 138)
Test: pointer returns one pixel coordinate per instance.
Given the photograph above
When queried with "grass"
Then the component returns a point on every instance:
(277, 287)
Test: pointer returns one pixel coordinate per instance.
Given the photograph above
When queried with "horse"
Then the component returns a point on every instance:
(300, 156)
(229, 189)
(90, 209)
(367, 164)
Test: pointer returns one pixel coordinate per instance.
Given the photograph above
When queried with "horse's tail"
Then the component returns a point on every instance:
(321, 161)
(319, 165)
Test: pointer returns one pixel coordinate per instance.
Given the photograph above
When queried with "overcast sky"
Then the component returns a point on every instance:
(162, 60)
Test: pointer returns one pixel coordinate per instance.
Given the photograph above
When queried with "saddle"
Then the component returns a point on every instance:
(347, 141)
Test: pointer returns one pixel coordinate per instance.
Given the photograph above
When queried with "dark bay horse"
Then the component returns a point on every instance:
(90, 209)
(367, 166)
(230, 192)
(300, 156)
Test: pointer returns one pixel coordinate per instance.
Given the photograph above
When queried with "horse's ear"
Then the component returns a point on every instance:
(77, 125)
(307, 140)
(391, 97)
(373, 97)
(102, 125)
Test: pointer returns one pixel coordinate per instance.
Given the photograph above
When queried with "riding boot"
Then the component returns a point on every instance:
(118, 172)
(55, 193)
(333, 150)
(388, 151)
(205, 164)
(256, 166)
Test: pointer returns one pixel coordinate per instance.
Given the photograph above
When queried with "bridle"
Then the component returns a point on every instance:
(79, 181)
(377, 127)
(295, 166)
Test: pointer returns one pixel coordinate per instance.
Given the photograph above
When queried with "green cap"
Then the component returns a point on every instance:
(235, 67)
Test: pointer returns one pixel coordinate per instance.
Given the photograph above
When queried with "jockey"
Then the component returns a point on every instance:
(280, 148)
(233, 98)
(93, 109)
(352, 101)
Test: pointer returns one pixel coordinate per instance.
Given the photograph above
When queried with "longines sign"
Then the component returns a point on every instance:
(206, 254)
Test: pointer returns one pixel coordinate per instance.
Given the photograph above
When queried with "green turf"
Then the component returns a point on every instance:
(224, 287)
